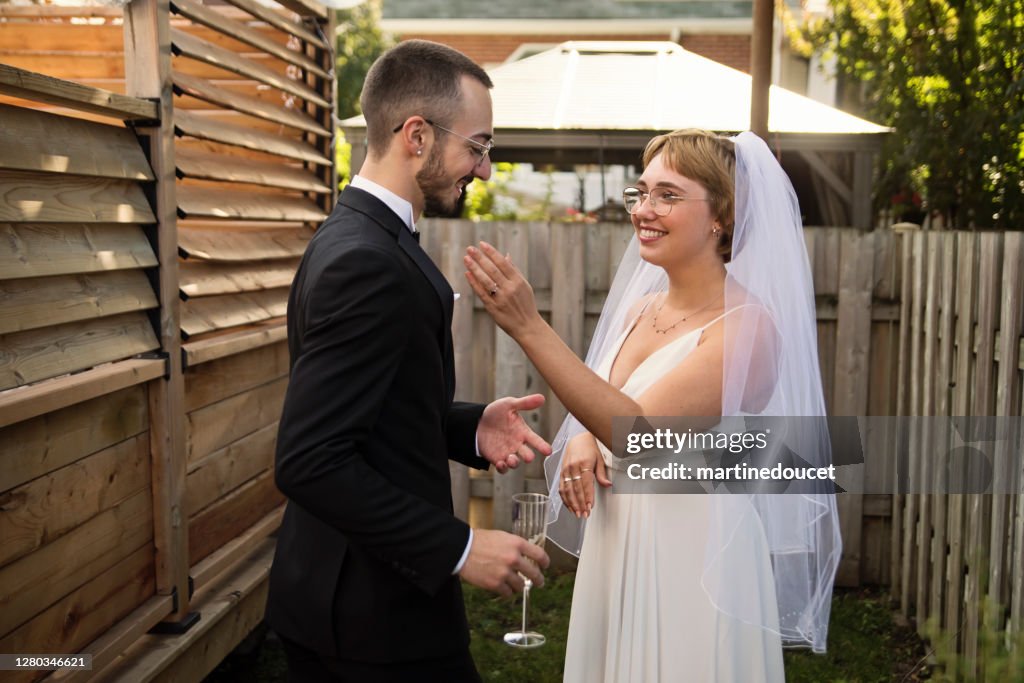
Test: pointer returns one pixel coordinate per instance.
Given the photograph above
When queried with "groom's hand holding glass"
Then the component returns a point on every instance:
(498, 561)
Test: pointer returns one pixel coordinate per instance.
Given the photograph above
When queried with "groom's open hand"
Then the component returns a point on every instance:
(496, 559)
(503, 436)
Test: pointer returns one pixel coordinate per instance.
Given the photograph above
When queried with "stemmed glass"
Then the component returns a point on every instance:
(529, 520)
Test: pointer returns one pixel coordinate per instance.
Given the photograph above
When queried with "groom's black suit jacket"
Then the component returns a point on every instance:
(364, 560)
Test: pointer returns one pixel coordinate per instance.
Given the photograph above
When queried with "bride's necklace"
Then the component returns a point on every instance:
(654, 322)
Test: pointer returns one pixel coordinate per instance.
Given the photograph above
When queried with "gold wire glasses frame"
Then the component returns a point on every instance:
(662, 199)
(481, 149)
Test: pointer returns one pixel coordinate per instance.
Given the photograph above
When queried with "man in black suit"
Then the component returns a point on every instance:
(365, 581)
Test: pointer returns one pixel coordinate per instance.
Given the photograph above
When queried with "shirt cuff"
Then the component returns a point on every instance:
(465, 553)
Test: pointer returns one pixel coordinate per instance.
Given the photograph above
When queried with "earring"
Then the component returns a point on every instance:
(716, 231)
(419, 152)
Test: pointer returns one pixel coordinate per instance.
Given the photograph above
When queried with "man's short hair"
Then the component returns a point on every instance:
(414, 78)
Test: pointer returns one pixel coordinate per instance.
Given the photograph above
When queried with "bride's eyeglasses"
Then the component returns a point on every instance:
(662, 199)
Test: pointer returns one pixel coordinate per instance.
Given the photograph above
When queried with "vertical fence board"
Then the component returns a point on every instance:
(853, 349)
(946, 545)
(925, 452)
(510, 373)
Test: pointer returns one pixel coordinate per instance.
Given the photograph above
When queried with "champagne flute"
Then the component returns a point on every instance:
(529, 520)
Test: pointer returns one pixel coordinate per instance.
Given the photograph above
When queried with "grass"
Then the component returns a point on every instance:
(865, 646)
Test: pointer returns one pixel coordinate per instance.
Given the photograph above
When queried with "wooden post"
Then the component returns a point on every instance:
(761, 65)
(147, 59)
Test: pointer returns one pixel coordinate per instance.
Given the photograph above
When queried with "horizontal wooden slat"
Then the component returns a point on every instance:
(107, 68)
(196, 164)
(197, 202)
(231, 310)
(220, 424)
(237, 548)
(225, 344)
(40, 250)
(275, 19)
(42, 302)
(40, 88)
(226, 469)
(72, 623)
(37, 11)
(42, 510)
(43, 197)
(203, 51)
(40, 354)
(226, 519)
(306, 8)
(43, 37)
(243, 245)
(247, 104)
(207, 128)
(36, 141)
(36, 581)
(239, 31)
(34, 447)
(204, 279)
(235, 374)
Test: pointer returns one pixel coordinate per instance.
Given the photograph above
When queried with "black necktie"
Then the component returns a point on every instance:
(416, 236)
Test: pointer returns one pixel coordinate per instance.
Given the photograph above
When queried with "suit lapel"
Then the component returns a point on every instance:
(365, 203)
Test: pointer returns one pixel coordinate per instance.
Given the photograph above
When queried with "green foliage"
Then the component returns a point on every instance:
(493, 200)
(996, 659)
(360, 42)
(342, 159)
(948, 76)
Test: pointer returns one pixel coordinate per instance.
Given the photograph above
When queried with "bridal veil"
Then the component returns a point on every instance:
(770, 341)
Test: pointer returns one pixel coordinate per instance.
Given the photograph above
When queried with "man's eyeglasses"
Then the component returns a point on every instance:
(480, 149)
(662, 199)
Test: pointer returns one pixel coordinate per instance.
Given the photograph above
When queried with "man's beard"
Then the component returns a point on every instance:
(435, 187)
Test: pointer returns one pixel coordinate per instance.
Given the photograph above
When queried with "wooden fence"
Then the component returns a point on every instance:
(571, 265)
(961, 353)
(150, 232)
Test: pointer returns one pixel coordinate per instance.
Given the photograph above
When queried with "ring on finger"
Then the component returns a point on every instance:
(577, 477)
(494, 289)
(567, 478)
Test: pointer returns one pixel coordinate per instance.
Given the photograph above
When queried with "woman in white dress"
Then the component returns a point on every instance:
(711, 314)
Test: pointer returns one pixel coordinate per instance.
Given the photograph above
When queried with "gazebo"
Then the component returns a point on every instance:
(583, 103)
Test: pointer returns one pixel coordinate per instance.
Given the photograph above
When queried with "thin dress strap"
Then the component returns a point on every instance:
(736, 308)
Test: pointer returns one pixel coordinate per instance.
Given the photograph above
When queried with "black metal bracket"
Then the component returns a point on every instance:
(178, 627)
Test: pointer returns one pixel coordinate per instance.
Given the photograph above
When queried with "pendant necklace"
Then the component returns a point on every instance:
(654, 322)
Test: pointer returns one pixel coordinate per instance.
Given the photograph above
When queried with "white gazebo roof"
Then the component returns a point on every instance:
(650, 86)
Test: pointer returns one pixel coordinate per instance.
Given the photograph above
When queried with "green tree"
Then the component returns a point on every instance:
(360, 42)
(948, 76)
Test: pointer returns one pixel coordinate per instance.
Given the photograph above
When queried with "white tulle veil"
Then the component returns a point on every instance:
(768, 286)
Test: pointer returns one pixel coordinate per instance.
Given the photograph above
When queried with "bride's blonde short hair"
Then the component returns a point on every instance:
(710, 160)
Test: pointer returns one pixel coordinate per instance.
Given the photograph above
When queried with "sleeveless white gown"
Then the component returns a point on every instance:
(639, 612)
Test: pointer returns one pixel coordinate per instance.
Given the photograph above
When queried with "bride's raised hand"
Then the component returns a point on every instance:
(582, 465)
(506, 294)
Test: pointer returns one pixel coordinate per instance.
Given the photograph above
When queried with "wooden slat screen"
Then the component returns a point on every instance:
(73, 292)
(253, 155)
